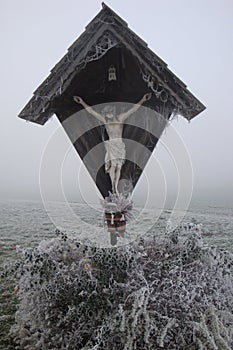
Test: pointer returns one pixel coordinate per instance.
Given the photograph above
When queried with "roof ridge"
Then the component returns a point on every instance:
(106, 10)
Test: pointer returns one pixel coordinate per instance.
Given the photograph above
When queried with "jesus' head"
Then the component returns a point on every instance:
(109, 112)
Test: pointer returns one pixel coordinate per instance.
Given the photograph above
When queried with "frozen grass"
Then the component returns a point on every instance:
(165, 293)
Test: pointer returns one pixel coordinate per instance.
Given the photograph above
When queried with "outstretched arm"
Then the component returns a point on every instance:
(98, 116)
(125, 115)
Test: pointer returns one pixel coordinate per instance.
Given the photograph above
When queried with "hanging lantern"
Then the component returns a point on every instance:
(112, 73)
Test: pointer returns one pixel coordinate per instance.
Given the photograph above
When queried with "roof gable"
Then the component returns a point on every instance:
(106, 31)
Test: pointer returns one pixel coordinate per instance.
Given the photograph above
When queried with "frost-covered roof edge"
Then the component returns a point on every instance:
(41, 106)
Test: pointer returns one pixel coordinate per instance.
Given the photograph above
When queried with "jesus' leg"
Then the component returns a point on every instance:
(112, 172)
(117, 177)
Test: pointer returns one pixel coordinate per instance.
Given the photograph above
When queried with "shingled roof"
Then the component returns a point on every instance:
(104, 33)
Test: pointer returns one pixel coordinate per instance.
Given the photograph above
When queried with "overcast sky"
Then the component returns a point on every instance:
(195, 39)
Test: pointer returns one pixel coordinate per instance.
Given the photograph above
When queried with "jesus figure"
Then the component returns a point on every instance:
(114, 146)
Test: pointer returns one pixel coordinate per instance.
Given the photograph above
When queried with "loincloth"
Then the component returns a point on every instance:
(115, 153)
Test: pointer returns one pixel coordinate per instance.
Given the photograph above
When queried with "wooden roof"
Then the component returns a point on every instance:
(105, 32)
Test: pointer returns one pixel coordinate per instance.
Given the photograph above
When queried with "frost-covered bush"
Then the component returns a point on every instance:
(170, 293)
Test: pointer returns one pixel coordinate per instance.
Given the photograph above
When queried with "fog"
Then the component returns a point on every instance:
(193, 37)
